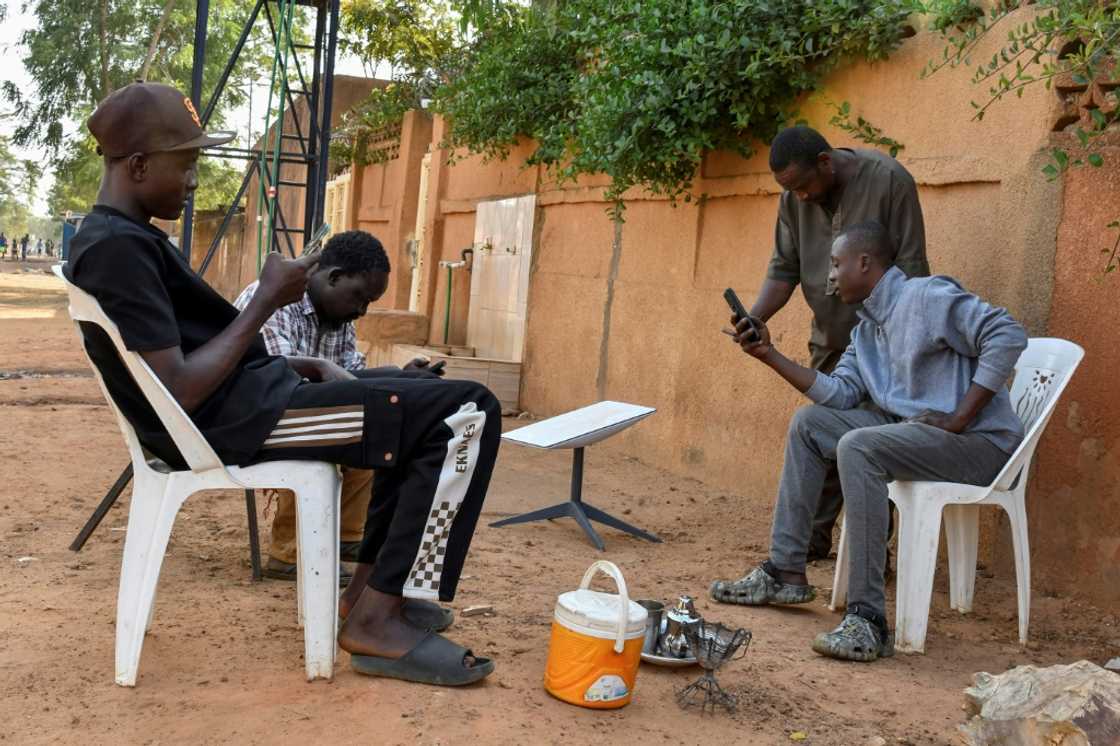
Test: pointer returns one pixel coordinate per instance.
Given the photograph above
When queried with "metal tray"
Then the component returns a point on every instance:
(665, 660)
(660, 660)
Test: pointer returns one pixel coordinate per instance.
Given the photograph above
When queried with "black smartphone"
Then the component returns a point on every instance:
(740, 312)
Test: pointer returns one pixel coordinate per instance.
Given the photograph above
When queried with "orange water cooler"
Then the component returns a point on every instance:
(596, 644)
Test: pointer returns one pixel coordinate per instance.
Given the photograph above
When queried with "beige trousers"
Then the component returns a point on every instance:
(356, 488)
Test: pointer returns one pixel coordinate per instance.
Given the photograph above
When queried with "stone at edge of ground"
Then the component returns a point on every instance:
(1077, 704)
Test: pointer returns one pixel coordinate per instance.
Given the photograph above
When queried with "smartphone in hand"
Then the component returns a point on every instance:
(741, 313)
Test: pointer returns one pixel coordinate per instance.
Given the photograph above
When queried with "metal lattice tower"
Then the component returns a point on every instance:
(286, 140)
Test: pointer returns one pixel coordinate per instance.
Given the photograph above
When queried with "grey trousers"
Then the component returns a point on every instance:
(870, 448)
(832, 497)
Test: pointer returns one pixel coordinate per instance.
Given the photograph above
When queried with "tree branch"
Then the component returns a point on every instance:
(1011, 88)
(156, 33)
(989, 74)
(965, 45)
(103, 48)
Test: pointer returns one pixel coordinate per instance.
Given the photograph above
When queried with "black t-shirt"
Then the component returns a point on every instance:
(146, 287)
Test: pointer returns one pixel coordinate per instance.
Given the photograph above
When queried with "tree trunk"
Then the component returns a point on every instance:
(156, 33)
(103, 48)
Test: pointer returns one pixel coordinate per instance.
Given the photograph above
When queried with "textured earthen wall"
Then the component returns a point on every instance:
(1074, 500)
(633, 311)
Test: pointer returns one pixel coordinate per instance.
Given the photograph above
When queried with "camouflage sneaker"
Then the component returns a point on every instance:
(856, 639)
(759, 588)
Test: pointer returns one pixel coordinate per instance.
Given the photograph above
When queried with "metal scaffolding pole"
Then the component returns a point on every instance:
(328, 106)
(311, 145)
(202, 16)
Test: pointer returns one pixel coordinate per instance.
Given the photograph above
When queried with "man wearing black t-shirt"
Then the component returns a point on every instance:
(432, 442)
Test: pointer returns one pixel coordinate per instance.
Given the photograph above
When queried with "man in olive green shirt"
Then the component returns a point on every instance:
(827, 190)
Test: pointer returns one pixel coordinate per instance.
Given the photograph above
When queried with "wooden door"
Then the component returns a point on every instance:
(503, 251)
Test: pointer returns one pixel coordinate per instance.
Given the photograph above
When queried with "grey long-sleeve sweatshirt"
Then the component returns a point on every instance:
(919, 345)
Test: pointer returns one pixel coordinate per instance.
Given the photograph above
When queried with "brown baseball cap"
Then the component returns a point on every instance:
(149, 118)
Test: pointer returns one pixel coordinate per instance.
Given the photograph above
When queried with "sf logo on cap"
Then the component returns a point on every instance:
(194, 114)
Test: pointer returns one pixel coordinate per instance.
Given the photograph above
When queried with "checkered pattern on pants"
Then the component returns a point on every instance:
(428, 569)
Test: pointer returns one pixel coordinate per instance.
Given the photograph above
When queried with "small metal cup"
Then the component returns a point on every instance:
(654, 611)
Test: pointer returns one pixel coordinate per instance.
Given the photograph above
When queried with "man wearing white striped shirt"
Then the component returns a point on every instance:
(353, 272)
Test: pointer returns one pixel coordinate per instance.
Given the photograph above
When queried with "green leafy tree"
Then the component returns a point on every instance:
(78, 52)
(18, 180)
(640, 89)
(45, 228)
(485, 14)
(530, 60)
(946, 15)
(426, 46)
(419, 40)
(411, 36)
(77, 177)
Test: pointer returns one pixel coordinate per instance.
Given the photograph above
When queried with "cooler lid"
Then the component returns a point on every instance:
(599, 611)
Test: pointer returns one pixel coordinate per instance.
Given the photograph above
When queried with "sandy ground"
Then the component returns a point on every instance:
(223, 661)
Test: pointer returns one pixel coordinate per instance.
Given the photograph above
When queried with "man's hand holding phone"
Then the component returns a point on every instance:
(753, 336)
(750, 333)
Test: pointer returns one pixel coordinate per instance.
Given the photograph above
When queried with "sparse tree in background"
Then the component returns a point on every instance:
(79, 52)
(421, 42)
(18, 179)
(45, 228)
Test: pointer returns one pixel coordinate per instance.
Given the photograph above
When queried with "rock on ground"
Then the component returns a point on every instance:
(1065, 705)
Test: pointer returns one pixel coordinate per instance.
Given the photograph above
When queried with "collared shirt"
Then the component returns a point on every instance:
(920, 344)
(880, 190)
(157, 301)
(294, 331)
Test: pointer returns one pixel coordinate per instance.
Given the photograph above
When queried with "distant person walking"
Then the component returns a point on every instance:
(23, 246)
(3, 244)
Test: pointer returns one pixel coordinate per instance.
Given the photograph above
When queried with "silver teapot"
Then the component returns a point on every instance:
(674, 644)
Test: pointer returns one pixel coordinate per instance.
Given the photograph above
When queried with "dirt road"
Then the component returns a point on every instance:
(222, 663)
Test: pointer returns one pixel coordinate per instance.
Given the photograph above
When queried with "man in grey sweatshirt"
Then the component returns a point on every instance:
(920, 394)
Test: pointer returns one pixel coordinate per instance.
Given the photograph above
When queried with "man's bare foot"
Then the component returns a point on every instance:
(375, 626)
(353, 592)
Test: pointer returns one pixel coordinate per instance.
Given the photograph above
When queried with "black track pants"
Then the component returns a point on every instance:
(432, 444)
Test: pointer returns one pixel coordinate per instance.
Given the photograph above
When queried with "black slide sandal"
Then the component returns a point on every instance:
(435, 660)
(427, 615)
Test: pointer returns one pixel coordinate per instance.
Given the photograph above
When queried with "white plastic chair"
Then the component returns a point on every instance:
(1041, 374)
(158, 493)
